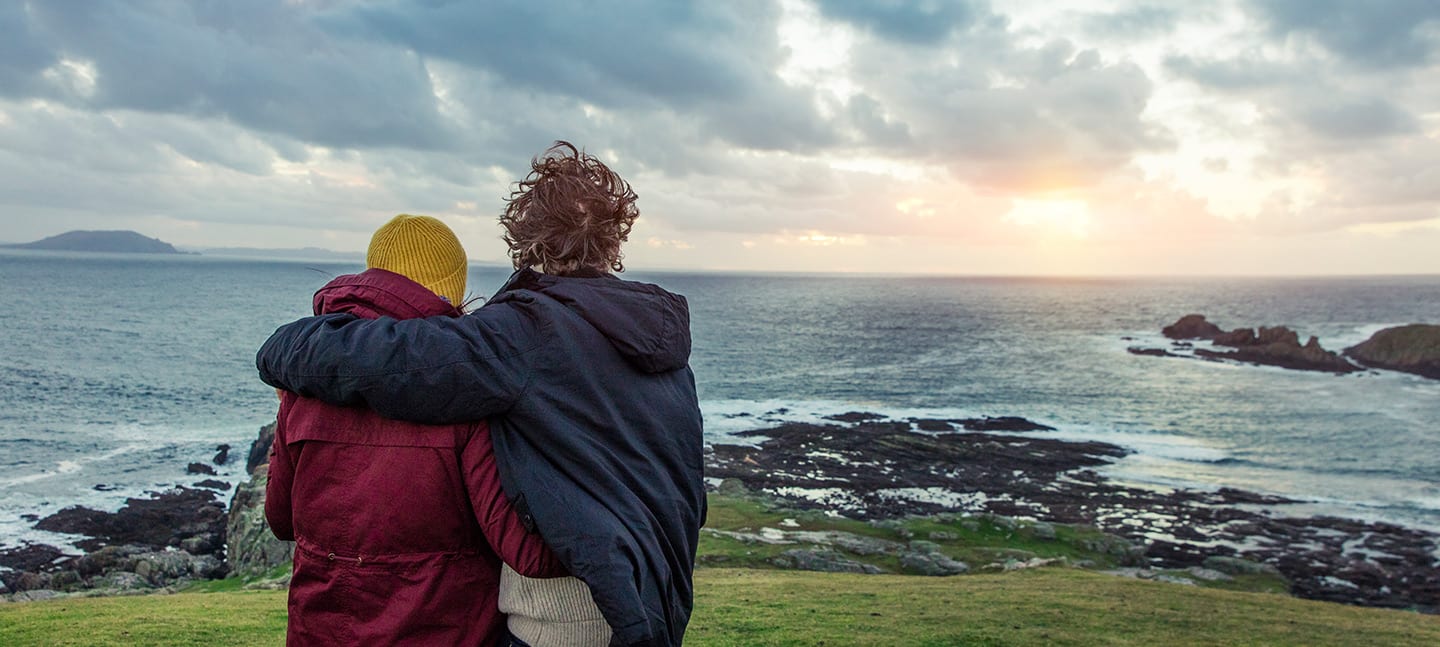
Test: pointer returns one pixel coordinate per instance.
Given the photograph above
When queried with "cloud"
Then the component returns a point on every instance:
(1376, 33)
(261, 65)
(920, 22)
(1249, 71)
(1356, 118)
(653, 57)
(752, 121)
(1133, 23)
(23, 53)
(1004, 116)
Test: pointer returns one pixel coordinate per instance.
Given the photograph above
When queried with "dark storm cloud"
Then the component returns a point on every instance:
(922, 22)
(258, 64)
(711, 62)
(663, 51)
(1376, 33)
(23, 54)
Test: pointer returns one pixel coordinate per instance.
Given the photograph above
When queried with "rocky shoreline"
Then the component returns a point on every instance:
(887, 469)
(160, 543)
(859, 465)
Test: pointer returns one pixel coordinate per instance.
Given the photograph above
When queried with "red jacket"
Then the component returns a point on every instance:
(400, 528)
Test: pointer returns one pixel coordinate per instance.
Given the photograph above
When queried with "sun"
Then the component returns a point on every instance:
(1065, 217)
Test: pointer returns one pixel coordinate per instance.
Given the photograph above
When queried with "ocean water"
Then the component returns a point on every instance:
(117, 371)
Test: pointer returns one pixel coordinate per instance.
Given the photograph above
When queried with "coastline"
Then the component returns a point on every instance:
(873, 468)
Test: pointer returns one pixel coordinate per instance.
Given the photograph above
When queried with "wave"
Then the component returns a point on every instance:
(724, 418)
(71, 466)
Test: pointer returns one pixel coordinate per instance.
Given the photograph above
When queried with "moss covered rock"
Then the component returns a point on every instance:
(1413, 349)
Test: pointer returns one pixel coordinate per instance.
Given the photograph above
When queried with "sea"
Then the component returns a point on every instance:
(117, 371)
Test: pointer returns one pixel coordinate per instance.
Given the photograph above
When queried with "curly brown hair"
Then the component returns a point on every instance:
(570, 213)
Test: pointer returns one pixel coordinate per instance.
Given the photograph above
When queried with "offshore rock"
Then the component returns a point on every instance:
(1001, 423)
(1413, 349)
(1192, 327)
(1270, 346)
(213, 484)
(1278, 346)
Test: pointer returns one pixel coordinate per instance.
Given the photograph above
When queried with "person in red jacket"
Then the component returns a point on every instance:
(400, 528)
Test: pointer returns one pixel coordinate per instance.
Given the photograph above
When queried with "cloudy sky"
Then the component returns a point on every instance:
(958, 137)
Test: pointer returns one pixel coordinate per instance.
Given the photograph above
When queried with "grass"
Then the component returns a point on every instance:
(757, 605)
(736, 607)
(236, 618)
(1041, 607)
(232, 584)
(985, 543)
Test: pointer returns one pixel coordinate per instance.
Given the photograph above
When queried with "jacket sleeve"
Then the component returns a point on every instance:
(524, 551)
(278, 511)
(440, 370)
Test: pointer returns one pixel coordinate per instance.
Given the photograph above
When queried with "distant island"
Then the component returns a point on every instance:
(124, 242)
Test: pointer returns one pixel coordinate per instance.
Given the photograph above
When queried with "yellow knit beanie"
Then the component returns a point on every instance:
(423, 250)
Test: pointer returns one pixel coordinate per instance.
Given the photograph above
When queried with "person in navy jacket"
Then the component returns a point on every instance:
(584, 380)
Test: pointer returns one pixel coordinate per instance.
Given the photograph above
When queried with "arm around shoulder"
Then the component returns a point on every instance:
(439, 370)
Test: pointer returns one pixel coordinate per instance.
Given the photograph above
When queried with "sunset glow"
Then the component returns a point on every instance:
(1068, 217)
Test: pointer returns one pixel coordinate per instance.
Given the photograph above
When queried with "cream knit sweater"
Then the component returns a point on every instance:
(551, 612)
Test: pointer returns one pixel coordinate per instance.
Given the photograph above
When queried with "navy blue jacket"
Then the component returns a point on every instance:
(592, 409)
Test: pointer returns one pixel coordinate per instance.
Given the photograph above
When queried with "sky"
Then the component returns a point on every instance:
(1096, 137)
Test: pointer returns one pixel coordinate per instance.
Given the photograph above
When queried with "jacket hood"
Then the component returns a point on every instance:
(647, 324)
(380, 293)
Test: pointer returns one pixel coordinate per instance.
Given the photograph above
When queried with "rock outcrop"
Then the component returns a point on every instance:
(180, 518)
(163, 542)
(260, 449)
(1192, 327)
(1413, 349)
(253, 550)
(1277, 346)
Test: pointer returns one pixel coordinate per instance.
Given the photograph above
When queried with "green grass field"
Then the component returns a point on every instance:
(1052, 606)
(743, 600)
